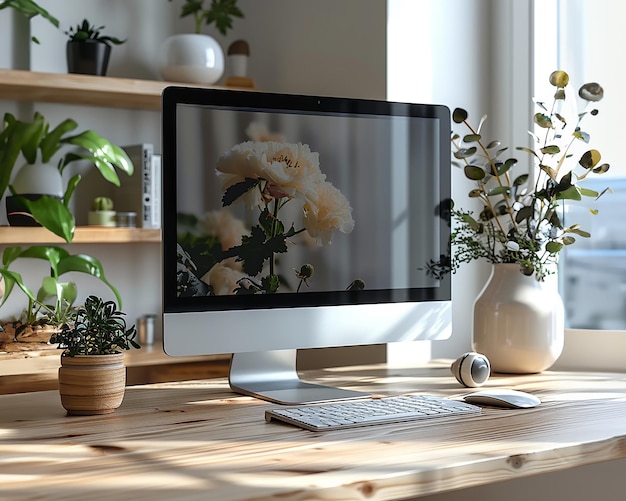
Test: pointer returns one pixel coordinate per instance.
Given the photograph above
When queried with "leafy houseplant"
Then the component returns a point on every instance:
(88, 51)
(53, 303)
(220, 13)
(92, 376)
(97, 328)
(38, 144)
(29, 9)
(521, 222)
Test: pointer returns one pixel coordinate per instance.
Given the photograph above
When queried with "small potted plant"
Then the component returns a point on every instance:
(101, 213)
(92, 376)
(196, 57)
(37, 195)
(87, 50)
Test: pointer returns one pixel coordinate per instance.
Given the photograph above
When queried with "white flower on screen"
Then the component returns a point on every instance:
(326, 210)
(285, 170)
(223, 279)
(222, 224)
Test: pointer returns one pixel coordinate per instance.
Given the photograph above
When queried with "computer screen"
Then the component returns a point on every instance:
(294, 222)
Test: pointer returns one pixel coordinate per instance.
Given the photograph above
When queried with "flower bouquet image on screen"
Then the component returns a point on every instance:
(323, 205)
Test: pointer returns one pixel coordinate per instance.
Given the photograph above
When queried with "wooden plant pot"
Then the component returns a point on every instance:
(92, 384)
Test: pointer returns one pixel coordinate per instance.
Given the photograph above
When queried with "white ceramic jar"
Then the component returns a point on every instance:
(518, 322)
(191, 58)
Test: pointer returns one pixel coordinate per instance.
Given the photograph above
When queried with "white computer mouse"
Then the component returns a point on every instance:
(500, 397)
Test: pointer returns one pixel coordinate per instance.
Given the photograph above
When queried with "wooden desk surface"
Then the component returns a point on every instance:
(197, 440)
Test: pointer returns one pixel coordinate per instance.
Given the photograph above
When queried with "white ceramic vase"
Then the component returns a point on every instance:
(518, 322)
(191, 58)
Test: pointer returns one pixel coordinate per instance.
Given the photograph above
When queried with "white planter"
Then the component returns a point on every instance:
(191, 58)
(38, 179)
(518, 322)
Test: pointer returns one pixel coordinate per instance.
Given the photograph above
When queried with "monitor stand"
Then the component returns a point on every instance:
(272, 376)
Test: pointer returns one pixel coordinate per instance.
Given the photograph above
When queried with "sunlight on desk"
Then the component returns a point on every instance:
(185, 440)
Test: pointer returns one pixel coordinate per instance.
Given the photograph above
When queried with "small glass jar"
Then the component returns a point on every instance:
(126, 219)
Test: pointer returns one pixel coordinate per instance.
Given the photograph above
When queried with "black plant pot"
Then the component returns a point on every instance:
(88, 57)
(17, 212)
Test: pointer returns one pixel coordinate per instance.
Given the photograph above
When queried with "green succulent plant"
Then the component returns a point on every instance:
(521, 220)
(35, 141)
(220, 13)
(102, 203)
(86, 31)
(97, 328)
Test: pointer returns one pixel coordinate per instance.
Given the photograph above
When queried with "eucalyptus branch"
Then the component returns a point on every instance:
(535, 234)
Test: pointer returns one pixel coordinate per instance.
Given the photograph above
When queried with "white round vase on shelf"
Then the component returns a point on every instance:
(518, 322)
(191, 58)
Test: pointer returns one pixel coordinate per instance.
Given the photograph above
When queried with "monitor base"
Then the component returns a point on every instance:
(272, 376)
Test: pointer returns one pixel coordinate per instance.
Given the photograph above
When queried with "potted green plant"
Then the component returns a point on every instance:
(196, 57)
(52, 305)
(101, 213)
(87, 50)
(37, 195)
(92, 376)
(521, 227)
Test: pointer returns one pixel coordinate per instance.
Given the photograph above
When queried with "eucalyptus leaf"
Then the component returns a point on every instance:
(568, 240)
(571, 193)
(543, 120)
(559, 78)
(590, 159)
(520, 180)
(601, 169)
(506, 166)
(459, 115)
(474, 173)
(471, 138)
(580, 233)
(586, 192)
(465, 152)
(550, 150)
(499, 190)
(583, 136)
(554, 247)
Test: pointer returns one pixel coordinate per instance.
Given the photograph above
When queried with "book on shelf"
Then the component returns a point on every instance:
(141, 192)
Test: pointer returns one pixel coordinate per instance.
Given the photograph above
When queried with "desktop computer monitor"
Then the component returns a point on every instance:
(293, 222)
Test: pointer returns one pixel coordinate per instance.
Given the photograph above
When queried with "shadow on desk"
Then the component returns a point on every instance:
(197, 440)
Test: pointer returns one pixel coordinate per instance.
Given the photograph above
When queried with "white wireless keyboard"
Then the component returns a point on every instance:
(355, 413)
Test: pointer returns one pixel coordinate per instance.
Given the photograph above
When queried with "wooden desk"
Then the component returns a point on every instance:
(196, 440)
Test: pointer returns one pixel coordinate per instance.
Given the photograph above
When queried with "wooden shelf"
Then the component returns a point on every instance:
(89, 90)
(15, 235)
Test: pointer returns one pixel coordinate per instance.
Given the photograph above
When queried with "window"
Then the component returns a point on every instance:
(580, 37)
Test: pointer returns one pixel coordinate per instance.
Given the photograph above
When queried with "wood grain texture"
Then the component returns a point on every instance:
(110, 92)
(15, 235)
(197, 440)
(37, 370)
